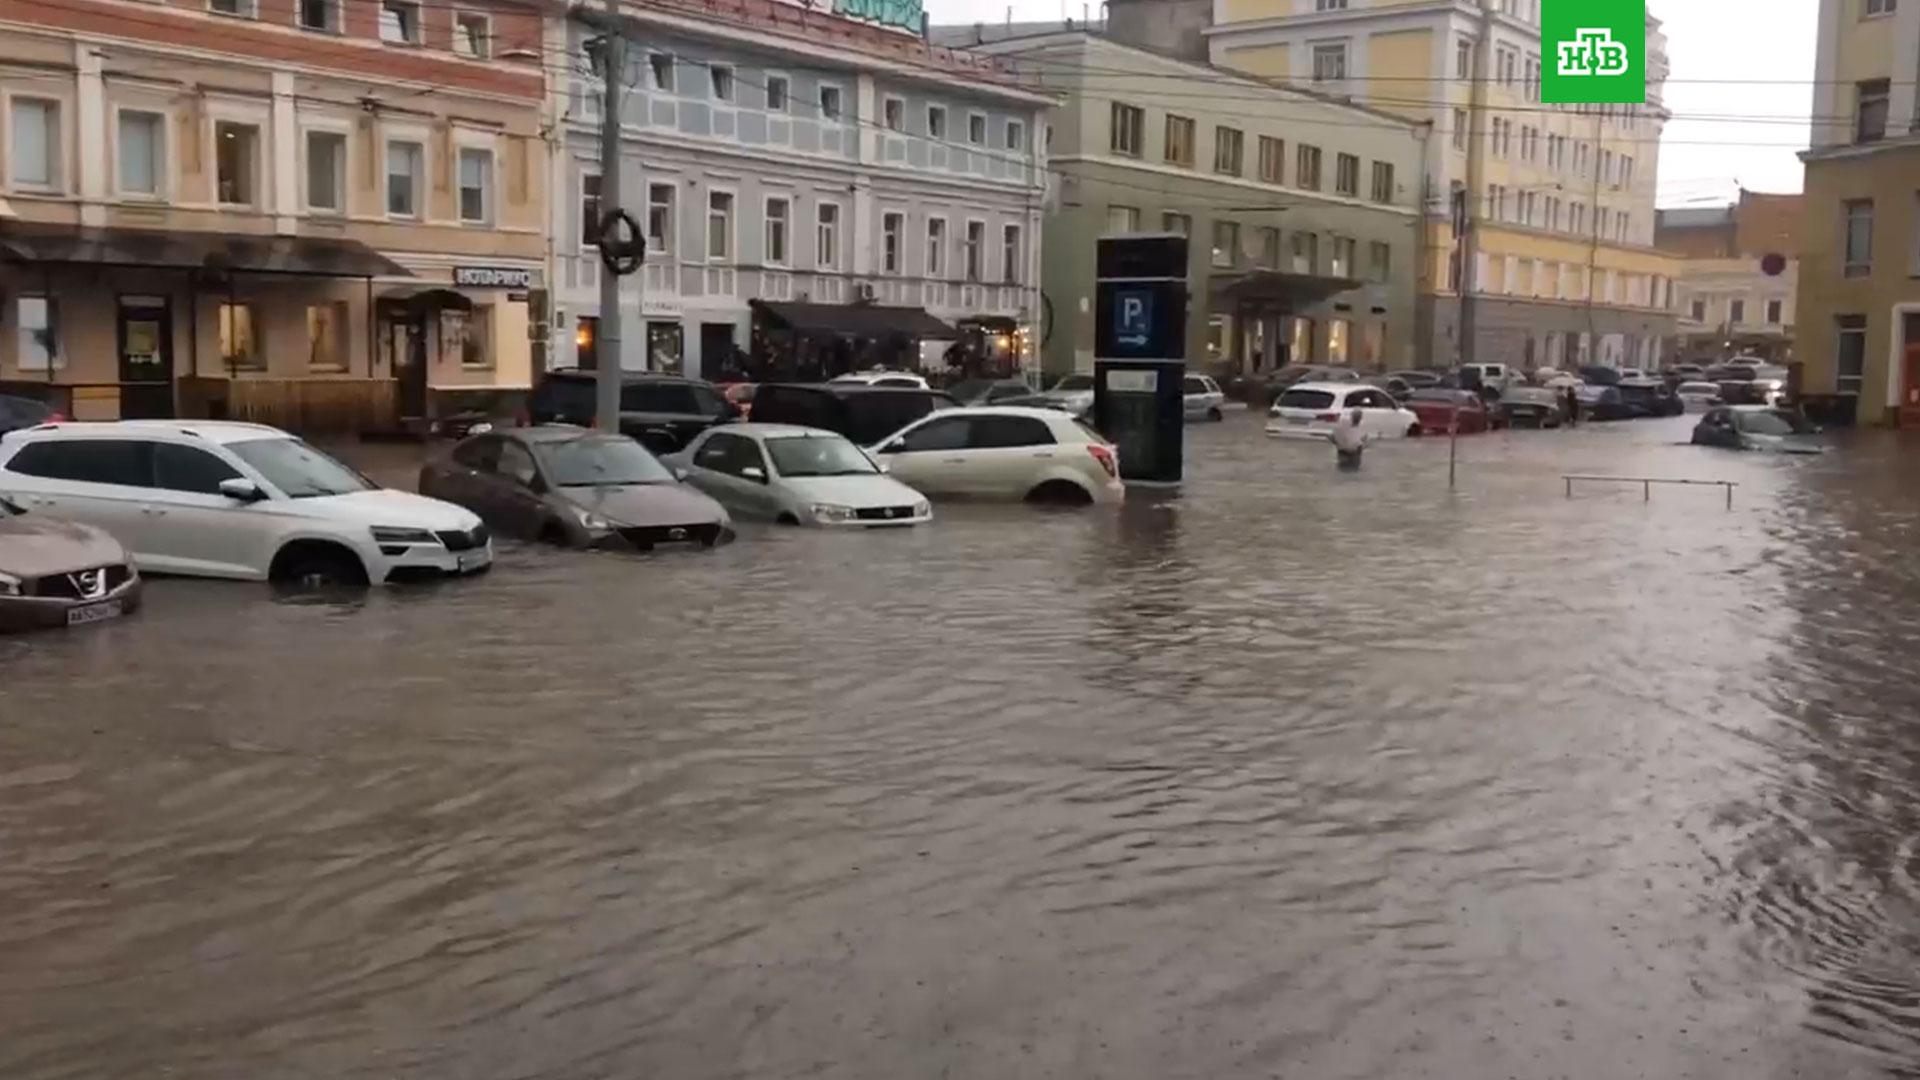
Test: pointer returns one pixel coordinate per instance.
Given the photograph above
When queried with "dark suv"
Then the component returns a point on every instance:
(664, 412)
(864, 414)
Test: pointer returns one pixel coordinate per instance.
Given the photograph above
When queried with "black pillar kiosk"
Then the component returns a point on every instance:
(1140, 354)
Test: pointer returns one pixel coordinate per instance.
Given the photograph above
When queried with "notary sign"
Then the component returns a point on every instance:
(492, 277)
(1593, 52)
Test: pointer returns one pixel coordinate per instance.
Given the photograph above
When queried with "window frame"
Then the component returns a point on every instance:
(1224, 244)
(402, 10)
(785, 83)
(414, 211)
(332, 25)
(257, 361)
(1225, 136)
(1016, 135)
(1346, 174)
(767, 222)
(487, 175)
(54, 152)
(1278, 159)
(256, 168)
(1189, 141)
(973, 251)
(936, 260)
(162, 133)
(1848, 327)
(893, 113)
(722, 87)
(340, 173)
(732, 223)
(1013, 247)
(824, 230)
(836, 115)
(656, 244)
(1862, 265)
(483, 49)
(1305, 178)
(977, 120)
(1328, 50)
(55, 358)
(662, 76)
(937, 110)
(243, 9)
(1135, 126)
(891, 262)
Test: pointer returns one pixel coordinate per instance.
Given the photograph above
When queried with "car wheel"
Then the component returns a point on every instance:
(1413, 431)
(1214, 414)
(317, 566)
(556, 534)
(786, 519)
(1059, 493)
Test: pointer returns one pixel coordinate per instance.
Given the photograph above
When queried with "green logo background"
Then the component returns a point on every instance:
(1624, 20)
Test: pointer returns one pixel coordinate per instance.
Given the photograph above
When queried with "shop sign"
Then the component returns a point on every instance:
(492, 277)
(905, 14)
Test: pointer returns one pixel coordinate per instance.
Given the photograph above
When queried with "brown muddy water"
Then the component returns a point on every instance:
(1299, 774)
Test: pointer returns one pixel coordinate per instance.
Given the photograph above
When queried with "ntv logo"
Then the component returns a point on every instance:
(1593, 52)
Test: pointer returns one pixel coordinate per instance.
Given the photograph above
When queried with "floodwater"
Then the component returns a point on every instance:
(1299, 774)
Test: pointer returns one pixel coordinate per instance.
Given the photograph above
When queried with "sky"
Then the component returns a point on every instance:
(1740, 89)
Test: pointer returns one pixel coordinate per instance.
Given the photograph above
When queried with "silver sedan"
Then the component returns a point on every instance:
(797, 476)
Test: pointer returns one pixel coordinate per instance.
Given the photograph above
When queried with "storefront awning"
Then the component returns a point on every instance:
(427, 300)
(1278, 287)
(853, 320)
(38, 244)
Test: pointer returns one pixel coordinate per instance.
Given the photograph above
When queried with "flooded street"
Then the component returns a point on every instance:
(1297, 774)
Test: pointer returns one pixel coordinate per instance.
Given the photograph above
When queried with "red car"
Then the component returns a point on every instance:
(1438, 409)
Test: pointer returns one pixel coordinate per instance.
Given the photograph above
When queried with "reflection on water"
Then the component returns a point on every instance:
(1294, 773)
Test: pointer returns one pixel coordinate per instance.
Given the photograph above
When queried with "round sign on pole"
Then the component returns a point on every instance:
(622, 245)
(1773, 264)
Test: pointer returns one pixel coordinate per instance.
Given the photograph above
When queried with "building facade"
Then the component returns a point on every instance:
(1301, 211)
(1559, 198)
(1739, 272)
(318, 214)
(798, 173)
(1859, 322)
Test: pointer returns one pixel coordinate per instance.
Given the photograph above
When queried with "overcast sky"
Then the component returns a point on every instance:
(1724, 133)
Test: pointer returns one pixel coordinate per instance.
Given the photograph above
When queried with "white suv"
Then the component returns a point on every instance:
(216, 499)
(1004, 452)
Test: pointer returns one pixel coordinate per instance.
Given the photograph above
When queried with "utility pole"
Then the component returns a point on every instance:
(1476, 183)
(606, 341)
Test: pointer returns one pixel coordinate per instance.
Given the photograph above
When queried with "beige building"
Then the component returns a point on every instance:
(316, 214)
(1736, 288)
(1859, 321)
(1561, 197)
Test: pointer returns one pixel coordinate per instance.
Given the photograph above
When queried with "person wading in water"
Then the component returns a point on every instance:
(1348, 440)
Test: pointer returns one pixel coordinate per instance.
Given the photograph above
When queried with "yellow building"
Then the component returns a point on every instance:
(1859, 321)
(1560, 198)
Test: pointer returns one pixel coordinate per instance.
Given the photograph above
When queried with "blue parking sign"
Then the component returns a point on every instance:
(1133, 317)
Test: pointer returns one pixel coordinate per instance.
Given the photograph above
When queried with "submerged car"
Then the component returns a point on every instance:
(576, 488)
(1758, 427)
(1649, 397)
(1202, 398)
(61, 573)
(1313, 410)
(1532, 406)
(798, 476)
(1696, 396)
(988, 391)
(1439, 410)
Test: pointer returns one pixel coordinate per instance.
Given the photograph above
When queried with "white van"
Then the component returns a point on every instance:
(1494, 375)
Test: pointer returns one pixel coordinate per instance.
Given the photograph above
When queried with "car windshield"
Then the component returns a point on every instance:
(1075, 382)
(1771, 422)
(600, 461)
(818, 455)
(298, 470)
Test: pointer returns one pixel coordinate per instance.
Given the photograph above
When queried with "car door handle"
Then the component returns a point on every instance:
(1048, 454)
(954, 460)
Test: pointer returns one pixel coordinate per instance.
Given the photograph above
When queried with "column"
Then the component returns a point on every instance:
(283, 140)
(91, 129)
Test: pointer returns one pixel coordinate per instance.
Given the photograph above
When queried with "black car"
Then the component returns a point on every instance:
(664, 412)
(1596, 375)
(864, 414)
(988, 391)
(19, 412)
(1650, 397)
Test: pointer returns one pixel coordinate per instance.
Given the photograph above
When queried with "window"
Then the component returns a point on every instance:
(830, 103)
(892, 233)
(326, 171)
(39, 342)
(1346, 174)
(1851, 358)
(239, 341)
(719, 226)
(1699, 311)
(139, 152)
(1179, 140)
(1858, 237)
(1736, 312)
(464, 334)
(1273, 159)
(1129, 129)
(320, 15)
(590, 210)
(472, 35)
(1306, 252)
(777, 93)
(35, 143)
(1123, 219)
(236, 158)
(1461, 129)
(936, 121)
(403, 179)
(241, 8)
(893, 114)
(1343, 252)
(1269, 247)
(936, 248)
(1879, 7)
(1329, 5)
(189, 469)
(476, 186)
(1016, 136)
(399, 22)
(973, 249)
(1774, 312)
(660, 217)
(996, 432)
(1329, 63)
(827, 235)
(1383, 181)
(1306, 170)
(720, 79)
(1226, 243)
(660, 72)
(327, 337)
(1533, 78)
(1229, 148)
(1463, 59)
(1379, 262)
(1012, 255)
(1176, 223)
(777, 222)
(125, 462)
(1870, 110)
(977, 129)
(1508, 61)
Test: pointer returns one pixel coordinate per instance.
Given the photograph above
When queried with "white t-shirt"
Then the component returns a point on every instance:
(1347, 436)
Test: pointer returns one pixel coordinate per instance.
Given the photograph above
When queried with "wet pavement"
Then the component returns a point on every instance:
(1299, 774)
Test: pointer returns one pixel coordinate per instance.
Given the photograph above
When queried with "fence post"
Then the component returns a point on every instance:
(1569, 487)
(1646, 491)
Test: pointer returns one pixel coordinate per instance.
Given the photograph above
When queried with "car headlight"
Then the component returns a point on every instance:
(593, 522)
(923, 508)
(831, 512)
(393, 534)
(9, 585)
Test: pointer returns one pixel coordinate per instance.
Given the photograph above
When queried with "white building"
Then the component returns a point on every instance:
(786, 157)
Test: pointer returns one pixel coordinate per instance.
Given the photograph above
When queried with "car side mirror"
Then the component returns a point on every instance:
(680, 473)
(883, 466)
(754, 473)
(891, 448)
(241, 490)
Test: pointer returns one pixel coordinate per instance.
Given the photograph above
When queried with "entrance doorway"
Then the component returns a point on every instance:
(665, 348)
(145, 336)
(404, 340)
(716, 347)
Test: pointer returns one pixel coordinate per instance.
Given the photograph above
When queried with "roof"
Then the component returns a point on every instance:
(314, 256)
(779, 431)
(213, 431)
(854, 320)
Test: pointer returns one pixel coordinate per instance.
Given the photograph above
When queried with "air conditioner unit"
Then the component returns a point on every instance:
(866, 291)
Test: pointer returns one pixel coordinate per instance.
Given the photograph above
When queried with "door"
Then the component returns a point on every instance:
(726, 466)
(145, 337)
(407, 345)
(513, 492)
(106, 483)
(716, 348)
(195, 528)
(931, 457)
(1007, 456)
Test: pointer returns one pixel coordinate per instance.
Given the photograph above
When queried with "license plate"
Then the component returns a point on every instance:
(91, 613)
(1301, 420)
(468, 561)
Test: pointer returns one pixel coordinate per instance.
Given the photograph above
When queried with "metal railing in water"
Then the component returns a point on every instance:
(1646, 484)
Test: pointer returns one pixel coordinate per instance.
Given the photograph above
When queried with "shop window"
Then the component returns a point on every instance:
(240, 338)
(327, 337)
(39, 346)
(463, 337)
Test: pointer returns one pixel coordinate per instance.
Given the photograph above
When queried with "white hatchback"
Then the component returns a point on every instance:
(883, 377)
(229, 500)
(1312, 410)
(1004, 452)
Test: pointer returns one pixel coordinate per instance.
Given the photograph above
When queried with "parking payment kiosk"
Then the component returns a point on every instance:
(1140, 337)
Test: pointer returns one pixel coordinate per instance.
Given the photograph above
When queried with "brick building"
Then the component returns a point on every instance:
(1729, 305)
